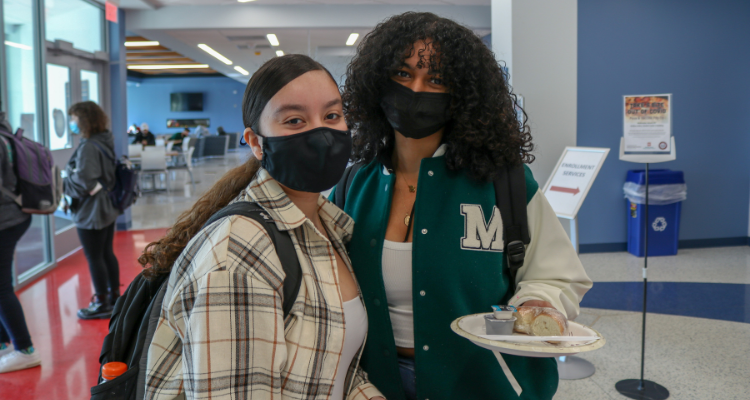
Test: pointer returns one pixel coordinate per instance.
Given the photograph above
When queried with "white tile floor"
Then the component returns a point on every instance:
(694, 358)
(713, 265)
(160, 210)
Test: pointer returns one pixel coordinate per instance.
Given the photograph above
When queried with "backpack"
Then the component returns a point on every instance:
(136, 313)
(510, 194)
(126, 190)
(39, 182)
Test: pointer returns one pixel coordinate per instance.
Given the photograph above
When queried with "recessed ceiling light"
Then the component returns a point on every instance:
(279, 53)
(273, 39)
(245, 1)
(17, 45)
(352, 39)
(215, 54)
(141, 43)
(241, 70)
(169, 66)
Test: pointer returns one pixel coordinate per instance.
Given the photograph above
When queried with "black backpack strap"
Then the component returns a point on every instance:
(101, 149)
(342, 188)
(510, 194)
(281, 241)
(150, 322)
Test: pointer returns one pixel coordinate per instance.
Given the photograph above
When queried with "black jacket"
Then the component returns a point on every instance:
(87, 167)
(148, 137)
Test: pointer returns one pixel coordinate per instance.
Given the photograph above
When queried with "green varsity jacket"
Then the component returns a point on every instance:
(457, 271)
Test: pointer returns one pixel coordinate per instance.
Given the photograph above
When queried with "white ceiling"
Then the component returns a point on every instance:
(167, 3)
(241, 45)
(325, 43)
(151, 4)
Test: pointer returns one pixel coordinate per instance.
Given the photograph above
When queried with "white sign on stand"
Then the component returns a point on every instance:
(572, 178)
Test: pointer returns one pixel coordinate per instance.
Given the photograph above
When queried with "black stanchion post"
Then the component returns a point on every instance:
(640, 388)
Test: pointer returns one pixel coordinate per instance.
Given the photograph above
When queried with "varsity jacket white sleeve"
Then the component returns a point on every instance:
(551, 271)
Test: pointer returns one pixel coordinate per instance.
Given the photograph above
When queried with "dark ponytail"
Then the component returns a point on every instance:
(276, 73)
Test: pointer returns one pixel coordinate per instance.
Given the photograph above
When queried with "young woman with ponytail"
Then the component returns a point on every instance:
(222, 331)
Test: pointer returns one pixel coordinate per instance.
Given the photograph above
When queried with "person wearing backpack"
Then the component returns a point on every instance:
(90, 175)
(223, 330)
(16, 349)
(438, 147)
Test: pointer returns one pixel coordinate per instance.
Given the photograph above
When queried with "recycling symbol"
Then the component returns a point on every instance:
(660, 224)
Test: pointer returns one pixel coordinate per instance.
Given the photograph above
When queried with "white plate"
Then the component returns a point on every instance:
(471, 326)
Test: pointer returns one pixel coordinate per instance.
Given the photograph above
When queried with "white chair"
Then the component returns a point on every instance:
(183, 151)
(134, 150)
(169, 146)
(188, 165)
(154, 162)
(160, 142)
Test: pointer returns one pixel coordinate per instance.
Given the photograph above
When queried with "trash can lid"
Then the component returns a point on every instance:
(656, 177)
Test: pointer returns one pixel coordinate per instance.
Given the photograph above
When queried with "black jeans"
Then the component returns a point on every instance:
(12, 322)
(103, 265)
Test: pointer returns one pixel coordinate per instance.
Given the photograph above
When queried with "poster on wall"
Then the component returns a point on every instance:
(647, 123)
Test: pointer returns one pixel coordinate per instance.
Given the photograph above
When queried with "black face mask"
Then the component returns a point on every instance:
(311, 161)
(415, 114)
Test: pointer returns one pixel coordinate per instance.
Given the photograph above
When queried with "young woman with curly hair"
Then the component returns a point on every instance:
(90, 172)
(434, 124)
(222, 331)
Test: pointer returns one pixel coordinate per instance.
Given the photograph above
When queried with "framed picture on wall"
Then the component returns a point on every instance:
(188, 123)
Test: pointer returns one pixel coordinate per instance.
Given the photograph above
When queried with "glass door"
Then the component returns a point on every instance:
(70, 79)
(21, 95)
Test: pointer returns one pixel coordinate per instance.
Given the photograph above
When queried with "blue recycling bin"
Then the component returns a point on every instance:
(663, 220)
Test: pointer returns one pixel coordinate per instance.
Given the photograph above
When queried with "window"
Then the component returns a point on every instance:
(58, 103)
(75, 21)
(90, 86)
(20, 67)
(33, 250)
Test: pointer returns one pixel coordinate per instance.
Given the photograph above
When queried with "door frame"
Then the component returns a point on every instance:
(63, 54)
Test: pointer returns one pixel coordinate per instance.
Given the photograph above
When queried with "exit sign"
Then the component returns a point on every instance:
(110, 11)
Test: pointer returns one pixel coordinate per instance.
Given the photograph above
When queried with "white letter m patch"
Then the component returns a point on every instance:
(479, 235)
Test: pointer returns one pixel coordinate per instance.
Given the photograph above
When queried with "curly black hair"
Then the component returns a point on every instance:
(484, 133)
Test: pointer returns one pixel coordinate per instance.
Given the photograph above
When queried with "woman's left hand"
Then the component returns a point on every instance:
(538, 303)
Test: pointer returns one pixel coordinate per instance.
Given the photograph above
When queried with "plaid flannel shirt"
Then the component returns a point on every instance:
(222, 332)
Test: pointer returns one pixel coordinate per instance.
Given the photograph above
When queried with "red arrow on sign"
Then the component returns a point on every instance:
(565, 190)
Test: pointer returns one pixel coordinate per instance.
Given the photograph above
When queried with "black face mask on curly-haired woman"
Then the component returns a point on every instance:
(435, 122)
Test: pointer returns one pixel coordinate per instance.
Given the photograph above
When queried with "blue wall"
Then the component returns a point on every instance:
(699, 51)
(149, 102)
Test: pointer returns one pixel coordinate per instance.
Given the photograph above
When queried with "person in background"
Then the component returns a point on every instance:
(89, 175)
(177, 138)
(145, 137)
(202, 131)
(220, 131)
(436, 124)
(16, 350)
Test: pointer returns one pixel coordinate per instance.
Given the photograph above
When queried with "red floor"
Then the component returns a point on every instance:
(69, 347)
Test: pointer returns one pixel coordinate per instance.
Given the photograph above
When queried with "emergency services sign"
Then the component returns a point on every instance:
(572, 178)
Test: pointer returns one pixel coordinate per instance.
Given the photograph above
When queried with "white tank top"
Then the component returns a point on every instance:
(398, 290)
(355, 320)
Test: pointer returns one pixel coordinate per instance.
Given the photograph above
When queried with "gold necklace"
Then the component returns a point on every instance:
(412, 189)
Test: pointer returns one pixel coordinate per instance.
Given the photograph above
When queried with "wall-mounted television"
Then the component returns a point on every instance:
(186, 102)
